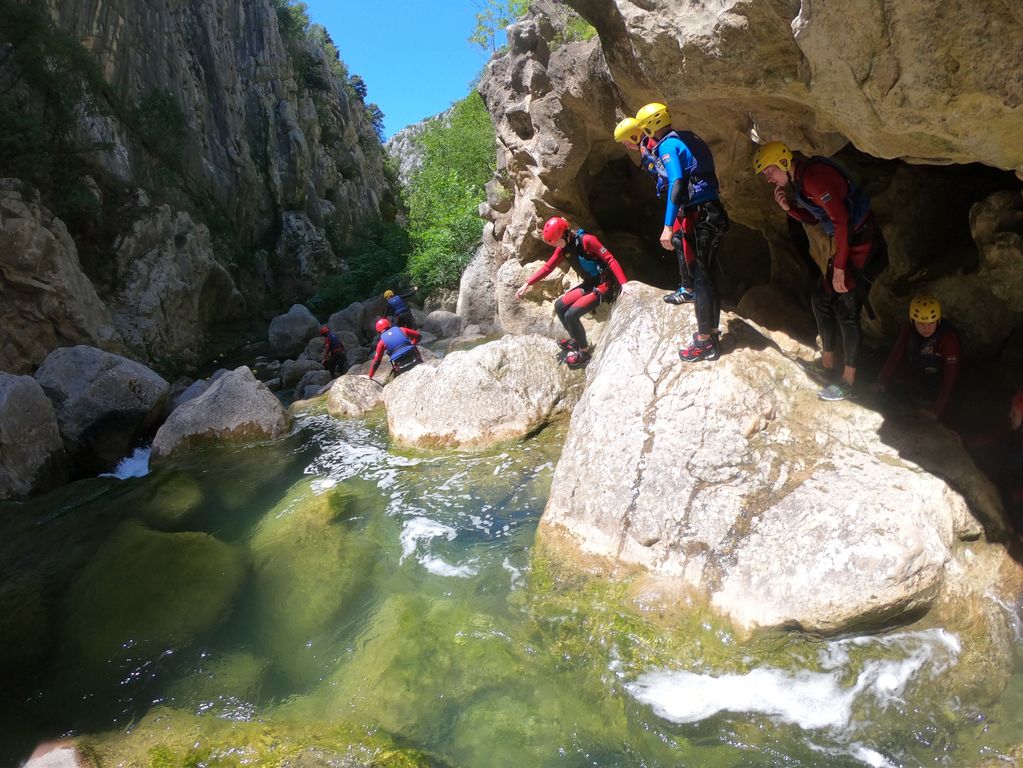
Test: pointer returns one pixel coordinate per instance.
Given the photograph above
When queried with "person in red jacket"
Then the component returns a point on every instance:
(400, 345)
(334, 356)
(602, 277)
(816, 190)
(927, 354)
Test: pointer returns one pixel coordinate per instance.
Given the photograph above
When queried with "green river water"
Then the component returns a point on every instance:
(325, 599)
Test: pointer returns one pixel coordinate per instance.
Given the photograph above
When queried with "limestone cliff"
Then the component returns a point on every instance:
(923, 103)
(226, 158)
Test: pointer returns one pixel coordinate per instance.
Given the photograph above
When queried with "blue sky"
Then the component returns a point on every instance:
(413, 55)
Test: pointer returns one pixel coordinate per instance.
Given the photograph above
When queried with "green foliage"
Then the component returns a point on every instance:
(376, 258)
(375, 115)
(492, 17)
(577, 28)
(161, 123)
(293, 19)
(444, 194)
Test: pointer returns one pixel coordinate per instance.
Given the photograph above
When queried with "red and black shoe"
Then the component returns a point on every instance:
(701, 349)
(577, 358)
(568, 345)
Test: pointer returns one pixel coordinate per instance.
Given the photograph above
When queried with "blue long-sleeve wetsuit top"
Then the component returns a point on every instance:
(689, 166)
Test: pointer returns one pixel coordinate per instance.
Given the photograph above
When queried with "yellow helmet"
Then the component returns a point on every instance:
(925, 309)
(388, 294)
(628, 130)
(772, 153)
(653, 117)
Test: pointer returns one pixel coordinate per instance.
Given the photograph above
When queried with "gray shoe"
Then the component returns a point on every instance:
(833, 392)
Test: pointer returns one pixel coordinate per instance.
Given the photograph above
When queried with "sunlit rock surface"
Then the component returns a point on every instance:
(734, 480)
(503, 390)
(353, 396)
(236, 408)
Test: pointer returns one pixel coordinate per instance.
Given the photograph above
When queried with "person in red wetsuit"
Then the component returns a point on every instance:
(818, 191)
(400, 345)
(929, 347)
(334, 357)
(602, 277)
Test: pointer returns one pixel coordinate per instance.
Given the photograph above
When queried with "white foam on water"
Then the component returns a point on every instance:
(136, 465)
(871, 757)
(439, 567)
(516, 574)
(423, 529)
(811, 700)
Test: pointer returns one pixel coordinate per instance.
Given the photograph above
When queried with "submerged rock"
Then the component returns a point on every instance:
(503, 390)
(733, 480)
(237, 407)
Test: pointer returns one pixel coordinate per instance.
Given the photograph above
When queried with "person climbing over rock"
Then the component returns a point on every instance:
(629, 133)
(400, 344)
(398, 308)
(603, 278)
(692, 187)
(334, 356)
(927, 356)
(817, 190)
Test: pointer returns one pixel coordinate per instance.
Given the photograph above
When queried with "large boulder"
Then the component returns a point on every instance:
(351, 319)
(237, 407)
(289, 332)
(32, 457)
(105, 403)
(733, 481)
(500, 391)
(311, 384)
(351, 396)
(442, 324)
(292, 371)
(171, 289)
(47, 299)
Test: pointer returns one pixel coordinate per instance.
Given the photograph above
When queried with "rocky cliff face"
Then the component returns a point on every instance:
(232, 161)
(922, 103)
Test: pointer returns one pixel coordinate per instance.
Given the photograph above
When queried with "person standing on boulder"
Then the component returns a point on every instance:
(603, 278)
(692, 188)
(400, 345)
(398, 308)
(629, 133)
(817, 190)
(334, 356)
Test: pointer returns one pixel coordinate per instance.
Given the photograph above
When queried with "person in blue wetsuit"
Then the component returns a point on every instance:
(399, 344)
(629, 133)
(692, 194)
(398, 308)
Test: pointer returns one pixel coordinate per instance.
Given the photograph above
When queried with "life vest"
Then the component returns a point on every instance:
(334, 344)
(856, 201)
(923, 353)
(700, 175)
(398, 305)
(590, 268)
(396, 342)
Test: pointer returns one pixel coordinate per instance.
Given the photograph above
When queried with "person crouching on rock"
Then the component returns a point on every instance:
(334, 357)
(603, 279)
(398, 308)
(400, 345)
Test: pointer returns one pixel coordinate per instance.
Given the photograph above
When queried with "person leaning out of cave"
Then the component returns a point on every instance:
(630, 134)
(692, 194)
(816, 190)
(398, 308)
(924, 363)
(400, 345)
(602, 280)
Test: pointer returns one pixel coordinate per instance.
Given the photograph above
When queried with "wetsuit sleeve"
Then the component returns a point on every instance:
(326, 349)
(414, 336)
(547, 268)
(670, 151)
(377, 357)
(824, 186)
(801, 214)
(948, 348)
(593, 247)
(896, 358)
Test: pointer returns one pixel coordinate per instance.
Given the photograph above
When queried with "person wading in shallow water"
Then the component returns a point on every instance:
(602, 277)
(818, 191)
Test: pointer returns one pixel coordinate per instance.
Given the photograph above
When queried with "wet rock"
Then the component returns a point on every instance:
(32, 457)
(105, 403)
(499, 391)
(311, 383)
(352, 396)
(236, 408)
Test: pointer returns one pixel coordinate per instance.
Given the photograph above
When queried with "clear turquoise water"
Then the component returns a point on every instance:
(326, 578)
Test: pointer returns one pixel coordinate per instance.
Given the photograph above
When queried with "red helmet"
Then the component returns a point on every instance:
(383, 324)
(554, 229)
(324, 330)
